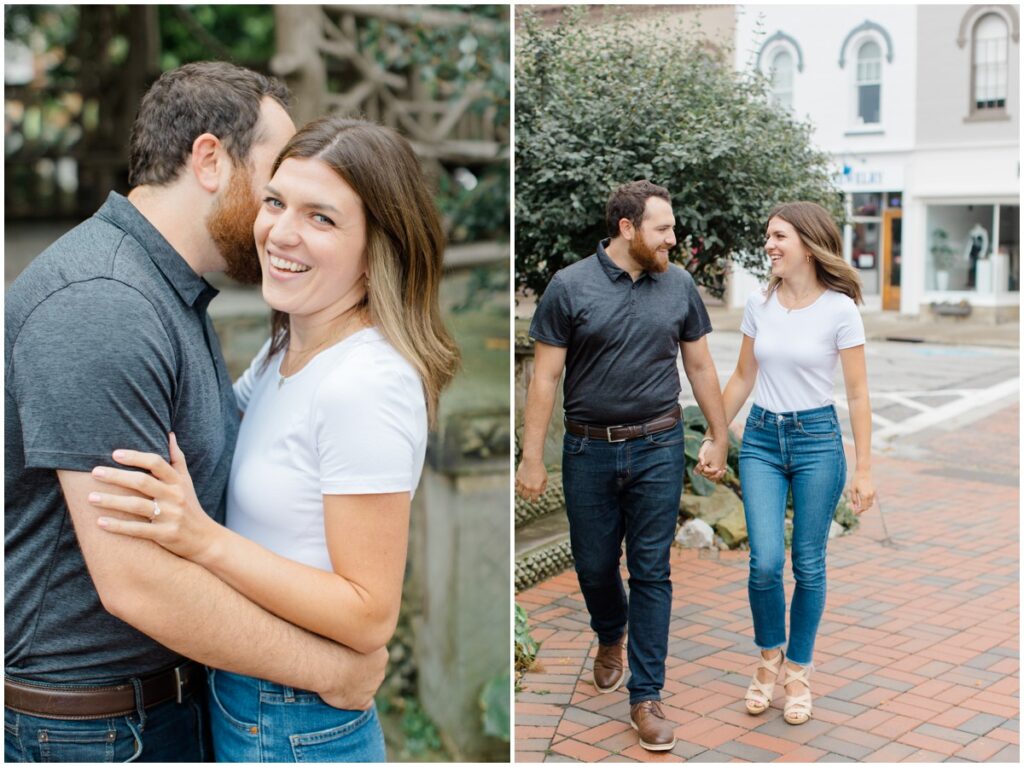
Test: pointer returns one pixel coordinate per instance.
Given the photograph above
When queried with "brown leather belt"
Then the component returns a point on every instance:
(625, 431)
(51, 702)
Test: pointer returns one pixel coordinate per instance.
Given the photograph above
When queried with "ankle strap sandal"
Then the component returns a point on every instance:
(759, 694)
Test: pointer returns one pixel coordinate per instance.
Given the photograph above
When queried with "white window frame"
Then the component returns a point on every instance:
(778, 43)
(849, 58)
(966, 38)
(1005, 41)
(783, 50)
(856, 47)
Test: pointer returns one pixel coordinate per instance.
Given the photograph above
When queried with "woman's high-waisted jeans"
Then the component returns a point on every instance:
(802, 452)
(254, 720)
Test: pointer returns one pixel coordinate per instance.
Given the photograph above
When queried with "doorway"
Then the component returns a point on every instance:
(892, 239)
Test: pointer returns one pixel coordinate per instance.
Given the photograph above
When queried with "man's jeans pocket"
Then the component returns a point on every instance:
(34, 739)
(573, 445)
(669, 437)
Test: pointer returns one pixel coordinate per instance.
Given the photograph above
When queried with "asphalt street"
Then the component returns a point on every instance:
(914, 387)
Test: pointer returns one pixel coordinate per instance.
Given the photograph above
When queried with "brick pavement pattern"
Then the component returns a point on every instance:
(917, 656)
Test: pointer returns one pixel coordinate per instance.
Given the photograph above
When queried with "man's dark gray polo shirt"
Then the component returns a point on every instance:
(621, 337)
(108, 345)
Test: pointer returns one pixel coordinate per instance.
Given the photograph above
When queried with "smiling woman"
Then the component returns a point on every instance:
(311, 238)
(332, 445)
(371, 179)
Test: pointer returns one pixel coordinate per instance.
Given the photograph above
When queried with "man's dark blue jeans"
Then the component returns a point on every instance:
(169, 732)
(616, 490)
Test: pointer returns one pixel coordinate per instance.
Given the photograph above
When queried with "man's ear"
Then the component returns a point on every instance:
(626, 229)
(208, 161)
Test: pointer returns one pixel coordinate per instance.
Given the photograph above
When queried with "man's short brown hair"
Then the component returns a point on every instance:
(205, 97)
(629, 201)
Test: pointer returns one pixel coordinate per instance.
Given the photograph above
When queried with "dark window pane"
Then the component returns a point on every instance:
(868, 98)
(869, 204)
(897, 252)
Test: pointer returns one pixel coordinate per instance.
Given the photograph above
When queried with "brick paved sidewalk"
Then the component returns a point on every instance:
(917, 657)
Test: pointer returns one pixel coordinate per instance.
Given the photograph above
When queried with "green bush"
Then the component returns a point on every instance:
(494, 706)
(526, 645)
(598, 106)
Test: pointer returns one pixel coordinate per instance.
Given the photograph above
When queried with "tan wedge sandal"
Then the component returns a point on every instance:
(797, 708)
(759, 694)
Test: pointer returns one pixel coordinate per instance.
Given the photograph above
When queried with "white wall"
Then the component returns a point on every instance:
(944, 81)
(824, 92)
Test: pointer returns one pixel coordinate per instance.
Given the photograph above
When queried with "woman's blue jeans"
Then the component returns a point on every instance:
(254, 720)
(626, 489)
(800, 452)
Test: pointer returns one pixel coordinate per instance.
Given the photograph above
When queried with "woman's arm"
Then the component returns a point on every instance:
(741, 382)
(735, 394)
(855, 375)
(357, 604)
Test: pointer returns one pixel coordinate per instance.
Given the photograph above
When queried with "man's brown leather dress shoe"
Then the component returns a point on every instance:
(656, 732)
(608, 666)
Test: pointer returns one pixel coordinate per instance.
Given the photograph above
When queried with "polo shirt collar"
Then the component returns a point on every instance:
(189, 286)
(612, 269)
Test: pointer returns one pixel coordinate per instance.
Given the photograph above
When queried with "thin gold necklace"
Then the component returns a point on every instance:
(303, 354)
(797, 302)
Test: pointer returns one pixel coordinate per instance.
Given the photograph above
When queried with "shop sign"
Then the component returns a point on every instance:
(869, 178)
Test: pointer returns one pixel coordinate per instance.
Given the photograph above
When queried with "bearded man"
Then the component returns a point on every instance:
(614, 322)
(109, 345)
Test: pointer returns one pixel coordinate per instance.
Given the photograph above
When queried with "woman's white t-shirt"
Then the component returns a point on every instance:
(352, 421)
(797, 350)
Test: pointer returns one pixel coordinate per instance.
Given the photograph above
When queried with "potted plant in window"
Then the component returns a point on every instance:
(943, 258)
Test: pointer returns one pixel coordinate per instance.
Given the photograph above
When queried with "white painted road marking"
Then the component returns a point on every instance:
(967, 400)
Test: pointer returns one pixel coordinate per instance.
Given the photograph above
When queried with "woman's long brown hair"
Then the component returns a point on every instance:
(404, 242)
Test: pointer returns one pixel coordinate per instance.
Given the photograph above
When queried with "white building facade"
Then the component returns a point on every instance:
(919, 108)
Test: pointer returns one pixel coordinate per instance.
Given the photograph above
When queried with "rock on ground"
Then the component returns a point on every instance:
(696, 534)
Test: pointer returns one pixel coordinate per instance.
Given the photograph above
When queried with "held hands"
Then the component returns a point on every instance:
(531, 479)
(862, 492)
(712, 459)
(169, 509)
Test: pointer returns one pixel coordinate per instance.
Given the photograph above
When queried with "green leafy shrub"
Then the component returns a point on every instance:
(601, 105)
(494, 706)
(526, 645)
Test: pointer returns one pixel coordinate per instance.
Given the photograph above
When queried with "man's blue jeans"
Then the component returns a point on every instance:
(616, 490)
(800, 452)
(170, 732)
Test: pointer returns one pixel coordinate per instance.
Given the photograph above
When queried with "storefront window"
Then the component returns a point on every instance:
(959, 247)
(866, 253)
(867, 204)
(1007, 255)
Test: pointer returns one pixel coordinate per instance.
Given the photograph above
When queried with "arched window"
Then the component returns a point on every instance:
(869, 83)
(781, 71)
(990, 62)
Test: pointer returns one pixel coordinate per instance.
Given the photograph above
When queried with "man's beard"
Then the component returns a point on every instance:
(230, 226)
(646, 258)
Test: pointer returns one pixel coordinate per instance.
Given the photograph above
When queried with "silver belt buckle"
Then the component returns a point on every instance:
(608, 433)
(179, 683)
